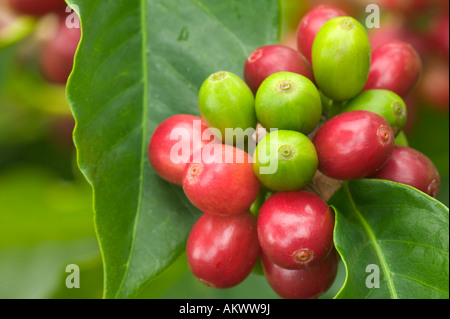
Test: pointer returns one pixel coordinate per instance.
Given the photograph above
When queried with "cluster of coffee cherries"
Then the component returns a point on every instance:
(331, 108)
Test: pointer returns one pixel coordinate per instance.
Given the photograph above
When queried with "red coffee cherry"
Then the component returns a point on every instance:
(439, 34)
(222, 182)
(295, 229)
(221, 251)
(354, 145)
(56, 60)
(411, 167)
(173, 143)
(311, 24)
(271, 59)
(433, 87)
(409, 7)
(395, 66)
(307, 283)
(38, 7)
(393, 32)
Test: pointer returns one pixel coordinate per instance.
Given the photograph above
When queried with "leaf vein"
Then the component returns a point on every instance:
(374, 240)
(414, 244)
(422, 283)
(220, 23)
(109, 102)
(178, 74)
(143, 145)
(397, 206)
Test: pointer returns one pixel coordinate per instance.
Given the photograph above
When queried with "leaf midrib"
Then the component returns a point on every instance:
(143, 143)
(119, 278)
(374, 241)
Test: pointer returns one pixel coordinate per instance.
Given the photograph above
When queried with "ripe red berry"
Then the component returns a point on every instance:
(439, 34)
(221, 251)
(433, 88)
(295, 229)
(411, 167)
(405, 7)
(311, 24)
(271, 59)
(38, 7)
(394, 32)
(354, 145)
(395, 66)
(57, 56)
(222, 181)
(173, 143)
(307, 283)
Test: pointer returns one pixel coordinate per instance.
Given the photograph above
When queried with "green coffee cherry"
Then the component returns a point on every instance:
(259, 201)
(226, 101)
(341, 58)
(383, 102)
(330, 107)
(401, 139)
(288, 101)
(285, 160)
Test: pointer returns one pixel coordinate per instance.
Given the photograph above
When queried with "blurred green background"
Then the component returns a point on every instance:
(46, 216)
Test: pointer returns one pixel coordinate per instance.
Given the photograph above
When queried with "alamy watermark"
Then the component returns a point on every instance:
(373, 279)
(73, 279)
(182, 150)
(373, 19)
(72, 19)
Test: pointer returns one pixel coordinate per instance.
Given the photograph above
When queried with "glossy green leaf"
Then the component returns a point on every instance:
(138, 63)
(396, 232)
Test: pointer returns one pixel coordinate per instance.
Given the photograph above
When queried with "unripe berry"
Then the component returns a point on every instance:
(383, 102)
(285, 160)
(288, 101)
(227, 103)
(311, 23)
(341, 58)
